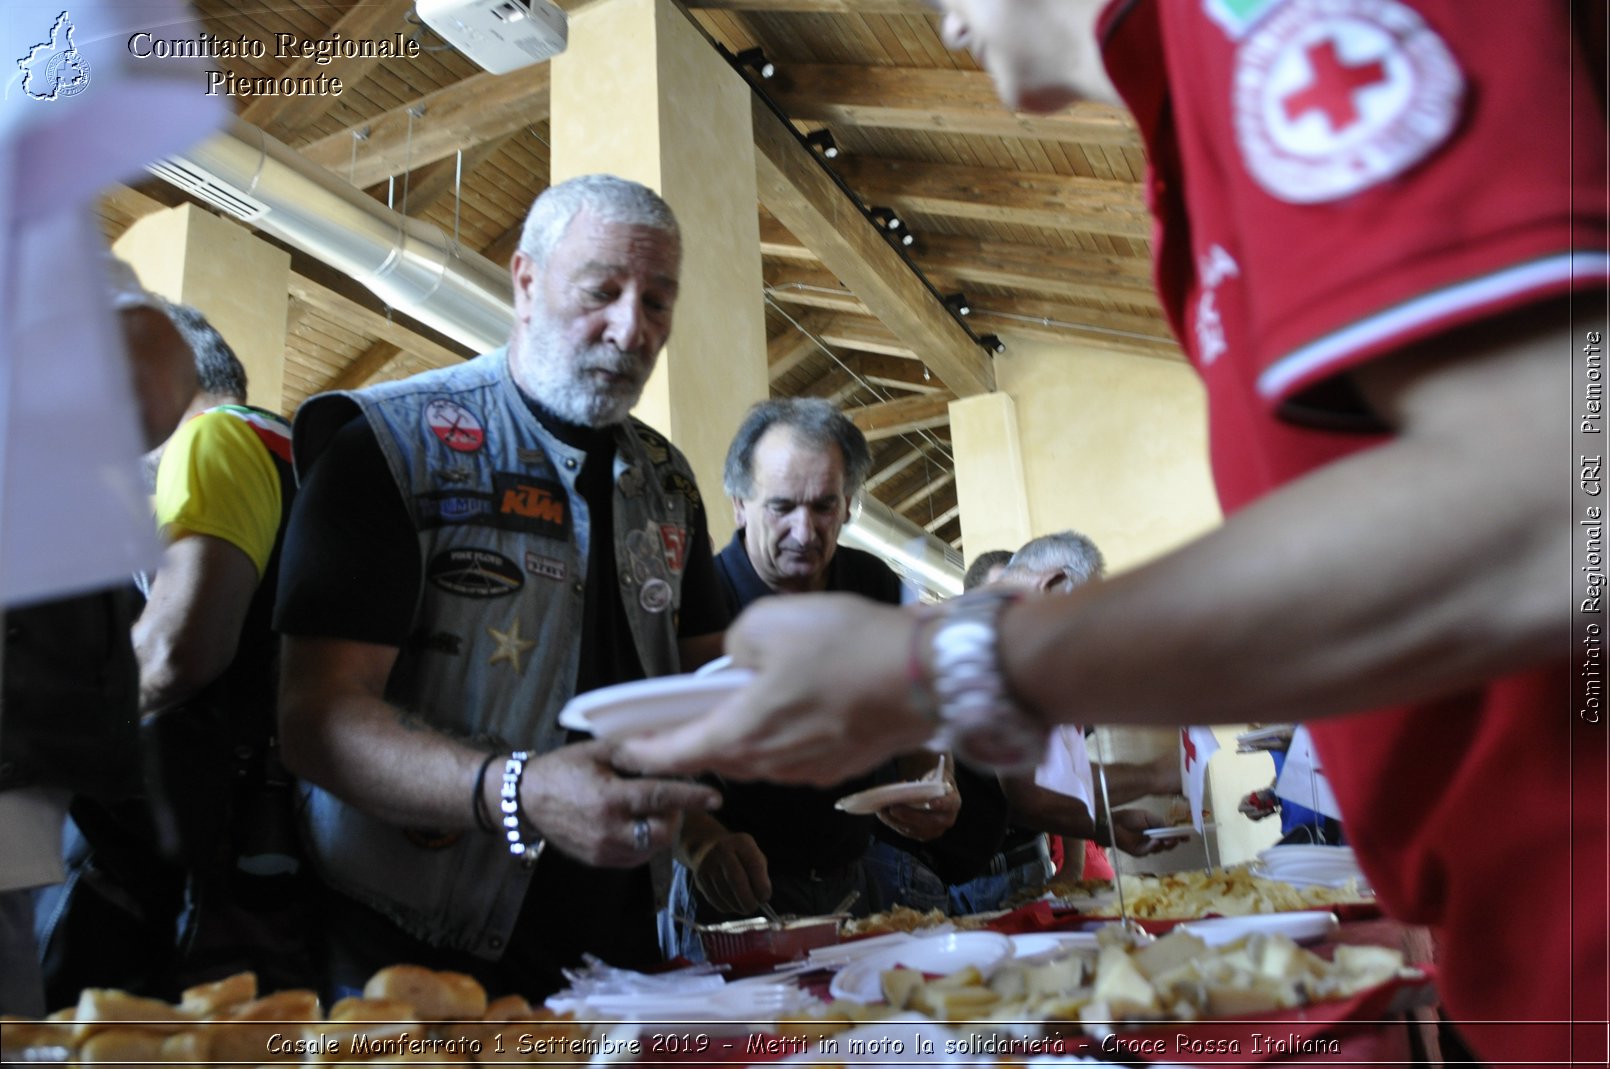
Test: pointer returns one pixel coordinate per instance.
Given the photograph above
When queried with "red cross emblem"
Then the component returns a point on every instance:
(1333, 86)
(1190, 747)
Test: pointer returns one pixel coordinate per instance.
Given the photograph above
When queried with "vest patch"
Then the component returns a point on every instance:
(535, 506)
(674, 538)
(474, 573)
(654, 595)
(443, 508)
(454, 426)
(547, 567)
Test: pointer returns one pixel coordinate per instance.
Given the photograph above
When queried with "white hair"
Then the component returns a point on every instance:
(608, 198)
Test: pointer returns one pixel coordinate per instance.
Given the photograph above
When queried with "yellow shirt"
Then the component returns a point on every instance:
(217, 478)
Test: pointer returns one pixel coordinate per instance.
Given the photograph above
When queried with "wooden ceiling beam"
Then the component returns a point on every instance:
(811, 287)
(369, 363)
(501, 248)
(1049, 321)
(792, 347)
(806, 200)
(890, 418)
(937, 101)
(464, 114)
(366, 20)
(891, 372)
(1062, 202)
(892, 470)
(1065, 272)
(864, 335)
(424, 186)
(940, 481)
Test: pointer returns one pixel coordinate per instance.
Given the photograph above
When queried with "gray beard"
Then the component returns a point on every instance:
(574, 400)
(567, 392)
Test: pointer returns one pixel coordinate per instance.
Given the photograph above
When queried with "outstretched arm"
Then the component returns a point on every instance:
(338, 731)
(1415, 568)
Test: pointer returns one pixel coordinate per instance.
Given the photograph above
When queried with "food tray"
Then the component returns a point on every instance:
(760, 941)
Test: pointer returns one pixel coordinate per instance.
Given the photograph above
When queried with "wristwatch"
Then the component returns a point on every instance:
(977, 719)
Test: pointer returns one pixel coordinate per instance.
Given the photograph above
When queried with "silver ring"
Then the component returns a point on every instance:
(640, 835)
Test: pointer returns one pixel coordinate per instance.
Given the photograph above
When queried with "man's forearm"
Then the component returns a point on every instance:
(389, 764)
(337, 732)
(1419, 567)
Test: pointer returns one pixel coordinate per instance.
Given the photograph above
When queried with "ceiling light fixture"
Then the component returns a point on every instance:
(822, 141)
(957, 303)
(992, 342)
(755, 59)
(886, 218)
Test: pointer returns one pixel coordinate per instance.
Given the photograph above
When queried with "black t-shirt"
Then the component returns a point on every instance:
(351, 565)
(797, 828)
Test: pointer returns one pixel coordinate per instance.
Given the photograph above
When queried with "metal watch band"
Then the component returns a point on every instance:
(978, 720)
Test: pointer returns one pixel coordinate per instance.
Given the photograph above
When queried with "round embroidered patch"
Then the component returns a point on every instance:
(454, 425)
(1334, 96)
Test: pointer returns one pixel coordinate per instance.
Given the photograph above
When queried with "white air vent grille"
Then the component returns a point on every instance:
(205, 187)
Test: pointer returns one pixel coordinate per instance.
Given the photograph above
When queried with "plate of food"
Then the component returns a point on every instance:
(910, 792)
(648, 705)
(940, 955)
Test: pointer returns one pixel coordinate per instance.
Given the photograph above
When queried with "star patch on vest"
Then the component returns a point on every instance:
(1334, 96)
(510, 647)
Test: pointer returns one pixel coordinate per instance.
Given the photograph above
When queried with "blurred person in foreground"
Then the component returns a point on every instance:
(199, 878)
(1386, 329)
(471, 547)
(70, 677)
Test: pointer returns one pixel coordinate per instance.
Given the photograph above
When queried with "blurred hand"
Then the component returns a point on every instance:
(830, 698)
(730, 873)
(1127, 828)
(923, 821)
(581, 805)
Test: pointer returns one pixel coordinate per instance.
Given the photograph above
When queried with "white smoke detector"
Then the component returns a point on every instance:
(499, 35)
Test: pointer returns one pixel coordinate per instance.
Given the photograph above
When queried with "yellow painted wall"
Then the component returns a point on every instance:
(233, 278)
(990, 479)
(1113, 445)
(655, 103)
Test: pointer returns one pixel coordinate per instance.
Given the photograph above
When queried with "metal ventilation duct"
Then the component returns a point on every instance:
(410, 264)
(414, 267)
(924, 561)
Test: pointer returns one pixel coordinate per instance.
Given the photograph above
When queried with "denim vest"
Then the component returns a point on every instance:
(496, 635)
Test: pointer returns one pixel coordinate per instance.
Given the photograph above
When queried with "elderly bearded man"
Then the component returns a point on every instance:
(472, 546)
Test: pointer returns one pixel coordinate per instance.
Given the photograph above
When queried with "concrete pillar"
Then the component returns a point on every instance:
(990, 485)
(235, 279)
(640, 93)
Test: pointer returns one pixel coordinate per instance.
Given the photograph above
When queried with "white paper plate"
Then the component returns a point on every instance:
(911, 792)
(1301, 927)
(1051, 944)
(942, 955)
(1177, 831)
(646, 705)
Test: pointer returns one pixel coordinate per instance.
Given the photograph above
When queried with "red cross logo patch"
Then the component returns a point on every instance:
(1334, 96)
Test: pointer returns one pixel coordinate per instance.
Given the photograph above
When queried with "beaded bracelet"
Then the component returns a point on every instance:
(483, 819)
(513, 772)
